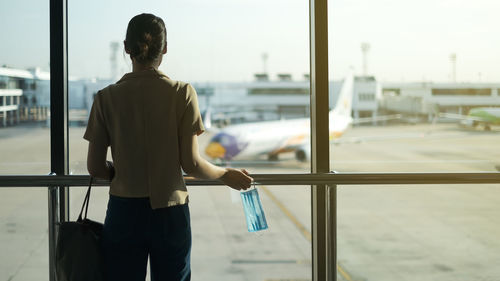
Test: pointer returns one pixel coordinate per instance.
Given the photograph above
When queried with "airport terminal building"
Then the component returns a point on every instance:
(24, 96)
(408, 196)
(425, 100)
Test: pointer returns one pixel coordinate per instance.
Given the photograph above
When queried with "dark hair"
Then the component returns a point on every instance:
(146, 37)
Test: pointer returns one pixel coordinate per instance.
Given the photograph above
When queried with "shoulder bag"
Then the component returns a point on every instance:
(79, 254)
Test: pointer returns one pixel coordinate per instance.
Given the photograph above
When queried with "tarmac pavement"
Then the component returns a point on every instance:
(427, 232)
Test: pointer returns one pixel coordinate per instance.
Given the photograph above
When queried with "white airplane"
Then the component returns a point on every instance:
(251, 140)
(485, 116)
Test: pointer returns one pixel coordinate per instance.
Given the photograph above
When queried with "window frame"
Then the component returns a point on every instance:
(323, 182)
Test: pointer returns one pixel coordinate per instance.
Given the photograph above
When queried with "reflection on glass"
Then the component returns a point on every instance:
(425, 96)
(24, 234)
(428, 232)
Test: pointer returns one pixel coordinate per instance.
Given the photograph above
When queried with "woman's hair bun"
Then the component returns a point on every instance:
(146, 38)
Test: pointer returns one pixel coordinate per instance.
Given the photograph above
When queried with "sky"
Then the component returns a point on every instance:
(223, 40)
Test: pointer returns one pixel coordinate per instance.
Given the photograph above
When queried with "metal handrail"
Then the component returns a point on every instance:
(328, 179)
(279, 179)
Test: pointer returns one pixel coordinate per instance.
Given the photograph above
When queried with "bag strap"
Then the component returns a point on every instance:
(86, 202)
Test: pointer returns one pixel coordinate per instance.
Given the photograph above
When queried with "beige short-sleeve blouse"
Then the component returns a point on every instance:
(142, 117)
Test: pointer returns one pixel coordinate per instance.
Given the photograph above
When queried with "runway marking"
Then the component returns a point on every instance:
(300, 226)
(282, 207)
(344, 273)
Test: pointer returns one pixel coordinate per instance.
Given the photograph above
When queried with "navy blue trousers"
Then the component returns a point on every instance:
(133, 231)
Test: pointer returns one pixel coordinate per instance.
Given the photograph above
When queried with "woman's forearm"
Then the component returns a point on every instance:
(102, 170)
(97, 165)
(203, 169)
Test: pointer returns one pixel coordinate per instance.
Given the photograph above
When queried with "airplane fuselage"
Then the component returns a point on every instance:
(488, 114)
(245, 141)
(274, 137)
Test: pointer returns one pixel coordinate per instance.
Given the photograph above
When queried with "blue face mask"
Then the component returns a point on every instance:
(254, 213)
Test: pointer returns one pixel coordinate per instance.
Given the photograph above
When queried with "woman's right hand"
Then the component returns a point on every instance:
(237, 179)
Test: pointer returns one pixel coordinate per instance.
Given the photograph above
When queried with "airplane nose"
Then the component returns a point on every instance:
(215, 150)
(224, 146)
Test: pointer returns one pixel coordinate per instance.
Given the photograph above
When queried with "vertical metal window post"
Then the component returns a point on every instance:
(58, 196)
(323, 252)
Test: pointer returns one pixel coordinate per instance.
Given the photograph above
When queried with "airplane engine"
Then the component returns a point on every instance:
(303, 154)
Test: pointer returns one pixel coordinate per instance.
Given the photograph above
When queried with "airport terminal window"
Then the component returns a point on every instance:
(461, 92)
(24, 140)
(24, 135)
(414, 83)
(280, 91)
(13, 83)
(391, 92)
(222, 71)
(411, 233)
(228, 93)
(224, 249)
(366, 97)
(22, 84)
(23, 235)
(427, 232)
(390, 142)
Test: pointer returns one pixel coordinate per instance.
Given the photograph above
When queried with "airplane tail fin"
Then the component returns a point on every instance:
(344, 102)
(206, 116)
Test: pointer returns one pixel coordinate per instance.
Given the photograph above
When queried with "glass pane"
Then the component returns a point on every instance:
(223, 249)
(247, 73)
(24, 234)
(24, 137)
(431, 232)
(24, 88)
(250, 76)
(424, 96)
